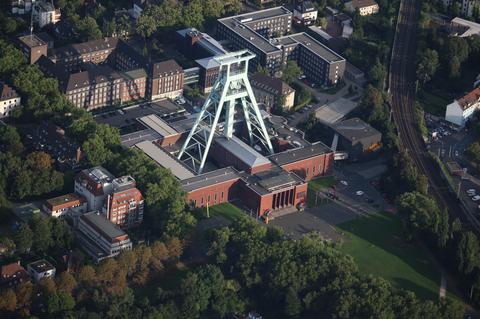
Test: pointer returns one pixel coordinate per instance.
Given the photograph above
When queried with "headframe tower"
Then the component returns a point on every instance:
(232, 87)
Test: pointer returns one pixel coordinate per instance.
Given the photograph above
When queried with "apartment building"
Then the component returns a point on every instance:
(133, 85)
(45, 13)
(305, 13)
(9, 100)
(124, 206)
(271, 92)
(41, 269)
(459, 111)
(94, 88)
(364, 7)
(100, 238)
(254, 32)
(94, 184)
(166, 80)
(60, 206)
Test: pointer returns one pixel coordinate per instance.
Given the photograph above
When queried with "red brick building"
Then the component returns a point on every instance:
(134, 85)
(12, 275)
(125, 205)
(166, 80)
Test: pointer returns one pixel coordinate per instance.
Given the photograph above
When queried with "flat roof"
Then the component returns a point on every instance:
(165, 160)
(158, 125)
(472, 27)
(103, 225)
(248, 34)
(242, 151)
(262, 14)
(271, 180)
(130, 139)
(316, 47)
(355, 129)
(335, 111)
(298, 154)
(211, 178)
(41, 266)
(32, 40)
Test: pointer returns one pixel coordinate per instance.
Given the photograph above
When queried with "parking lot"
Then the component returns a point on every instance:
(52, 140)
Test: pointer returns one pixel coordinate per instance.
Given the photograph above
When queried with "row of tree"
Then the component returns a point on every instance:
(92, 289)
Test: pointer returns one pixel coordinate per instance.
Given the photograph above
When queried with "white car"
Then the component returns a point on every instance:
(471, 190)
(360, 193)
(344, 183)
(476, 198)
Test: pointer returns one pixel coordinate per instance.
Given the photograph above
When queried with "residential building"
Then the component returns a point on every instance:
(45, 13)
(305, 13)
(100, 238)
(33, 47)
(9, 100)
(124, 207)
(94, 88)
(357, 138)
(272, 92)
(94, 184)
(165, 80)
(263, 33)
(460, 110)
(21, 6)
(364, 7)
(12, 275)
(60, 206)
(467, 7)
(133, 85)
(41, 269)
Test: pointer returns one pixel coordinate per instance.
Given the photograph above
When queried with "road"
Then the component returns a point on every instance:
(402, 88)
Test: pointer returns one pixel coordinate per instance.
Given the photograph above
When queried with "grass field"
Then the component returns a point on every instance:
(433, 103)
(377, 245)
(226, 210)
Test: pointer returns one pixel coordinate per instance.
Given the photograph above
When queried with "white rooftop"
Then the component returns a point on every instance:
(158, 125)
(335, 111)
(242, 151)
(473, 28)
(165, 160)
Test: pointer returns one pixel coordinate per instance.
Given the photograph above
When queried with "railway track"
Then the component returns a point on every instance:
(402, 87)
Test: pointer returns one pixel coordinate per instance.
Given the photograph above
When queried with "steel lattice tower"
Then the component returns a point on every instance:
(231, 87)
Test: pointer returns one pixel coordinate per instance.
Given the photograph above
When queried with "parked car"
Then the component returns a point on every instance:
(476, 198)
(344, 183)
(360, 193)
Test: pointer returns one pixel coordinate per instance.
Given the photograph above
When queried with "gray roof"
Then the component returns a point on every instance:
(248, 34)
(134, 74)
(84, 47)
(154, 122)
(211, 178)
(271, 180)
(298, 154)
(242, 151)
(167, 67)
(41, 266)
(208, 63)
(102, 225)
(262, 14)
(355, 129)
(316, 47)
(165, 160)
(99, 74)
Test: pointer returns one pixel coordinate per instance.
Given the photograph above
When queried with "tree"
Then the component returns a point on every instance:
(88, 29)
(41, 232)
(468, 251)
(10, 140)
(293, 305)
(169, 13)
(24, 238)
(455, 66)
(8, 300)
(427, 66)
(127, 260)
(291, 72)
(39, 161)
(66, 282)
(146, 24)
(193, 14)
(175, 248)
(59, 302)
(159, 254)
(213, 8)
(377, 74)
(87, 276)
(96, 151)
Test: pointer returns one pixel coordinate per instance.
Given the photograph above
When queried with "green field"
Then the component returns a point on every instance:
(433, 103)
(377, 245)
(226, 210)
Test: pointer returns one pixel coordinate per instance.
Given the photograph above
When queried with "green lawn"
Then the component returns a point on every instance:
(226, 210)
(433, 103)
(377, 245)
